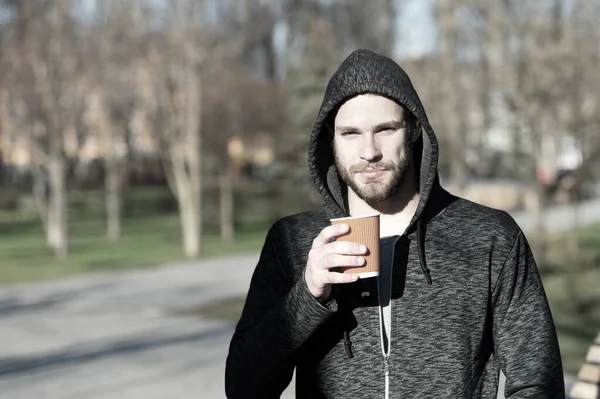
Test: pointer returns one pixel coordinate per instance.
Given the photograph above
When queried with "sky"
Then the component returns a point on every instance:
(415, 24)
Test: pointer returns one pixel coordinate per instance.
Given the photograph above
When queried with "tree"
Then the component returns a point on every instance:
(111, 97)
(243, 107)
(45, 91)
(306, 80)
(170, 88)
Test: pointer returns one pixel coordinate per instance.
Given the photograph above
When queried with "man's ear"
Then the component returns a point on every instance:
(330, 132)
(416, 131)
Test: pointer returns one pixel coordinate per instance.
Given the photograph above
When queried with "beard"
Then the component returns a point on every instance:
(377, 190)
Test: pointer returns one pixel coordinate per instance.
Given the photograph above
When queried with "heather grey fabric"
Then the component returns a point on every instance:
(485, 310)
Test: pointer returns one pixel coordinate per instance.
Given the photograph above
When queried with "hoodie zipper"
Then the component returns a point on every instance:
(386, 356)
(386, 364)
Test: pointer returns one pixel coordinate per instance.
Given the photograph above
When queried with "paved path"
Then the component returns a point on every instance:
(119, 335)
(562, 217)
(123, 336)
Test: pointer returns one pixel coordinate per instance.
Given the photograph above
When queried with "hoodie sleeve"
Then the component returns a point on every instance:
(524, 334)
(280, 314)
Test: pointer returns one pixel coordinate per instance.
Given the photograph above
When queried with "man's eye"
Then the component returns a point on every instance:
(349, 134)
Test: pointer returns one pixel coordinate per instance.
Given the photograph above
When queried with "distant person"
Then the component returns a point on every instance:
(466, 296)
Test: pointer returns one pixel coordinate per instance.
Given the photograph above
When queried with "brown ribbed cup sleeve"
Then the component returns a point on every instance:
(363, 230)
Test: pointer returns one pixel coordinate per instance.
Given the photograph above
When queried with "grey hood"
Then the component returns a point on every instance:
(364, 71)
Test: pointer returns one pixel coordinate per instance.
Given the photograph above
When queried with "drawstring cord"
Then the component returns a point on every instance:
(348, 344)
(421, 247)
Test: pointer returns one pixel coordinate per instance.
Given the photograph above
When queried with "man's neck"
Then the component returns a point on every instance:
(396, 212)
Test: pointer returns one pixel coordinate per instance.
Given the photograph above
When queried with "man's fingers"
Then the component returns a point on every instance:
(329, 233)
(341, 278)
(336, 260)
(344, 248)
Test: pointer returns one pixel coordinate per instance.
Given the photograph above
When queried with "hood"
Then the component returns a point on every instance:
(367, 72)
(362, 72)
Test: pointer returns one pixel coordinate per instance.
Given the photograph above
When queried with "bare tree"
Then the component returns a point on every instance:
(46, 89)
(111, 96)
(242, 107)
(356, 28)
(454, 101)
(170, 84)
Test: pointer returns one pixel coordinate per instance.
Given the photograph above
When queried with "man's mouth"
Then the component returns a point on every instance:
(371, 173)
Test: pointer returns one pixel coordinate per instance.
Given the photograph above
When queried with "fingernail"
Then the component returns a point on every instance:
(363, 248)
(360, 261)
(343, 227)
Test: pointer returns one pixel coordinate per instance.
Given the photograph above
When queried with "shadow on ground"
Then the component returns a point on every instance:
(14, 305)
(91, 352)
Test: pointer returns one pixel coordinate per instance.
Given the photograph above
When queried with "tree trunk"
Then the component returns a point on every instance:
(40, 195)
(226, 201)
(269, 52)
(190, 227)
(112, 186)
(179, 179)
(193, 158)
(57, 205)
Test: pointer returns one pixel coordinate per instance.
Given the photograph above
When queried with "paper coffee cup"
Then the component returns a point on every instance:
(363, 230)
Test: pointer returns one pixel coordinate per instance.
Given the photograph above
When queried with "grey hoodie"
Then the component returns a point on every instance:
(467, 299)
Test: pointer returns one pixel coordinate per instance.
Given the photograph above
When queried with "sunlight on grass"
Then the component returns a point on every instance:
(228, 309)
(145, 242)
(572, 284)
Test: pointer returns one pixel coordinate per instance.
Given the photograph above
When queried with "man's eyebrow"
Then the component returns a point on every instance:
(395, 124)
(345, 129)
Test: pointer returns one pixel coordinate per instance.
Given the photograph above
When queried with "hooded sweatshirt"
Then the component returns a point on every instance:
(466, 297)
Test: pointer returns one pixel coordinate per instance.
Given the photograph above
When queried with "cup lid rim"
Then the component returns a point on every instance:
(356, 217)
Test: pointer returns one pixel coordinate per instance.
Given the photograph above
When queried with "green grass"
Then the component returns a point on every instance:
(145, 242)
(228, 309)
(572, 285)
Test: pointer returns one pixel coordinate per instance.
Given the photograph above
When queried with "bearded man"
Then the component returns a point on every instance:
(464, 297)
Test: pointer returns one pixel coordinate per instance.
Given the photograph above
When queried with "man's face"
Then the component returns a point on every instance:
(373, 146)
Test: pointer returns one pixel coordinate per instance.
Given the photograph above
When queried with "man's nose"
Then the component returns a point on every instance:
(369, 150)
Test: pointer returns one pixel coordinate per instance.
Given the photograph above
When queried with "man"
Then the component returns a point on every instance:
(465, 297)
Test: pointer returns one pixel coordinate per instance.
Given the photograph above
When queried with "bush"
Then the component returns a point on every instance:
(9, 199)
(148, 201)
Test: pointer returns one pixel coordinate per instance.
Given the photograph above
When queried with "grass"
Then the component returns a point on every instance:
(145, 241)
(572, 283)
(228, 309)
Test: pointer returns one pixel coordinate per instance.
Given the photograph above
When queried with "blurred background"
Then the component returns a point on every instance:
(146, 146)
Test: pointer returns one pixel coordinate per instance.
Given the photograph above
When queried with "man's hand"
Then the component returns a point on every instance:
(325, 255)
